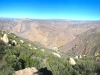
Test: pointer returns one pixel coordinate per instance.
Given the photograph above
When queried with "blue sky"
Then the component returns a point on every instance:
(51, 9)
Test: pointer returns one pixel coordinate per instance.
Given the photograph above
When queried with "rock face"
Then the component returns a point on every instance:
(27, 71)
(5, 38)
(72, 61)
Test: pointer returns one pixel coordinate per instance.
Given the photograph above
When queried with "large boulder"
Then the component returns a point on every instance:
(56, 54)
(21, 41)
(72, 61)
(14, 43)
(76, 57)
(5, 38)
(80, 56)
(96, 54)
(27, 71)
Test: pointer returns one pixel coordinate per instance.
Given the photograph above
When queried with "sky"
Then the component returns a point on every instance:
(51, 9)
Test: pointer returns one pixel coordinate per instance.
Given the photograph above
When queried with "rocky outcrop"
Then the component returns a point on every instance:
(34, 71)
(56, 54)
(96, 54)
(5, 38)
(80, 56)
(76, 57)
(14, 43)
(27, 71)
(72, 61)
(21, 41)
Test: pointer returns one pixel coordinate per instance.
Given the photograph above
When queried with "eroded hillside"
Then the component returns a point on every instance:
(19, 56)
(86, 43)
(51, 33)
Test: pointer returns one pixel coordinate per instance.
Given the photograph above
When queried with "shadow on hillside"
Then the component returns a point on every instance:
(44, 71)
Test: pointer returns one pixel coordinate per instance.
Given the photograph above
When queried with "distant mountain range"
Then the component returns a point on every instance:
(68, 36)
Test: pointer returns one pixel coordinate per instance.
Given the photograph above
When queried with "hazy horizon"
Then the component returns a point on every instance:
(47, 19)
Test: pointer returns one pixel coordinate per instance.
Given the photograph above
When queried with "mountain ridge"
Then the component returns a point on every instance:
(86, 43)
(51, 33)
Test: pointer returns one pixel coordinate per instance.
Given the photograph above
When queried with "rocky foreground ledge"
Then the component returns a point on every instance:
(33, 71)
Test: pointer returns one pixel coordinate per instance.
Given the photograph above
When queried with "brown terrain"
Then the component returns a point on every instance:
(69, 36)
(86, 43)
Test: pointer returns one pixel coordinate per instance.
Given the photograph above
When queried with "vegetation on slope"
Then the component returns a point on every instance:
(13, 58)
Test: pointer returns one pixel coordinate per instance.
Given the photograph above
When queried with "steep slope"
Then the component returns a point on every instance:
(24, 54)
(86, 43)
(32, 58)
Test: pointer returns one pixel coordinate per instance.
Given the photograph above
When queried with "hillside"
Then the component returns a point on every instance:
(51, 33)
(24, 54)
(86, 43)
(32, 58)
